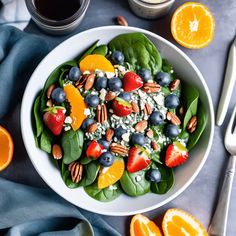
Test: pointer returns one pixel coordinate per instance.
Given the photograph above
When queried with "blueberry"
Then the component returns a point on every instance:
(104, 143)
(138, 138)
(145, 74)
(162, 78)
(101, 82)
(74, 73)
(172, 131)
(117, 57)
(106, 159)
(156, 118)
(87, 122)
(154, 175)
(125, 96)
(114, 84)
(92, 100)
(58, 95)
(172, 101)
(119, 132)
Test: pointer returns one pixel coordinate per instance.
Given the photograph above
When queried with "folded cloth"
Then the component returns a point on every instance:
(20, 53)
(27, 211)
(14, 12)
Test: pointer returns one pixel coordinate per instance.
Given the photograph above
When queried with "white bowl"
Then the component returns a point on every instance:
(123, 205)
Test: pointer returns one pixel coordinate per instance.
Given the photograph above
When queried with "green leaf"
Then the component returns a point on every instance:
(67, 177)
(62, 77)
(155, 156)
(167, 180)
(45, 142)
(85, 160)
(103, 195)
(72, 145)
(38, 117)
(88, 51)
(101, 50)
(135, 184)
(138, 51)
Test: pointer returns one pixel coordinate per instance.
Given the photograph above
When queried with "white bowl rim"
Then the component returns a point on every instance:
(211, 117)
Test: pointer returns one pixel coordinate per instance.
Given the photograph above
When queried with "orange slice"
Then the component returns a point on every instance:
(141, 226)
(94, 61)
(181, 223)
(193, 25)
(6, 148)
(110, 175)
(77, 104)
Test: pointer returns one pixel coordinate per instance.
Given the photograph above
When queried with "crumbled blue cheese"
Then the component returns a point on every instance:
(99, 73)
(103, 93)
(87, 111)
(138, 178)
(112, 187)
(126, 137)
(67, 128)
(68, 120)
(110, 75)
(159, 99)
(86, 72)
(94, 92)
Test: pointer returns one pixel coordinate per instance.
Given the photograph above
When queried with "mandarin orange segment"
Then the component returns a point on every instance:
(110, 175)
(6, 148)
(94, 61)
(141, 226)
(77, 104)
(193, 25)
(181, 223)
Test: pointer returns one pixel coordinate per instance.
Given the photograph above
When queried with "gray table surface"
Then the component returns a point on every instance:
(200, 197)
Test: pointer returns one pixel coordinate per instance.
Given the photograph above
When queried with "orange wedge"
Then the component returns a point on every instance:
(77, 104)
(193, 25)
(110, 175)
(94, 61)
(141, 226)
(178, 222)
(6, 148)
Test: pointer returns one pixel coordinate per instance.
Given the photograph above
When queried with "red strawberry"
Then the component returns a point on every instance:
(176, 154)
(54, 119)
(138, 159)
(132, 81)
(121, 107)
(94, 150)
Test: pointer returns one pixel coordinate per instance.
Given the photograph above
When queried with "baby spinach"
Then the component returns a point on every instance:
(155, 156)
(62, 77)
(101, 50)
(72, 145)
(138, 50)
(85, 160)
(88, 51)
(167, 180)
(38, 117)
(135, 184)
(103, 195)
(45, 142)
(90, 173)
(201, 124)
(67, 177)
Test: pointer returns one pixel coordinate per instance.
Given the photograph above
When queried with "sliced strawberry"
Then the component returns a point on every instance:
(138, 159)
(121, 107)
(54, 119)
(132, 81)
(94, 150)
(176, 154)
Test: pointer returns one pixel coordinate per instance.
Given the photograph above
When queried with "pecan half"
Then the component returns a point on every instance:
(89, 82)
(151, 87)
(109, 134)
(155, 146)
(181, 110)
(76, 171)
(150, 133)
(56, 152)
(141, 126)
(122, 21)
(92, 128)
(103, 113)
(174, 84)
(192, 124)
(80, 83)
(119, 149)
(98, 113)
(49, 103)
(50, 89)
(147, 109)
(173, 118)
(110, 96)
(135, 107)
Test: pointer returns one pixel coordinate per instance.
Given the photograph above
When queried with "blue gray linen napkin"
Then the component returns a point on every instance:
(24, 210)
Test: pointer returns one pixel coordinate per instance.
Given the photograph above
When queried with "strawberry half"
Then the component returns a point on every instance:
(121, 107)
(176, 154)
(131, 81)
(138, 159)
(54, 118)
(94, 150)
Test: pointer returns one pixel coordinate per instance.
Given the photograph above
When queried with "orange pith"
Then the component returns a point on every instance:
(193, 25)
(181, 223)
(6, 148)
(94, 61)
(77, 104)
(110, 175)
(141, 226)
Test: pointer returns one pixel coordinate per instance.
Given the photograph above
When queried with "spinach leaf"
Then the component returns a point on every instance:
(201, 124)
(88, 51)
(101, 50)
(103, 195)
(138, 50)
(155, 156)
(167, 180)
(135, 184)
(166, 67)
(52, 79)
(45, 142)
(85, 160)
(72, 145)
(190, 97)
(62, 77)
(90, 173)
(38, 117)
(67, 177)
